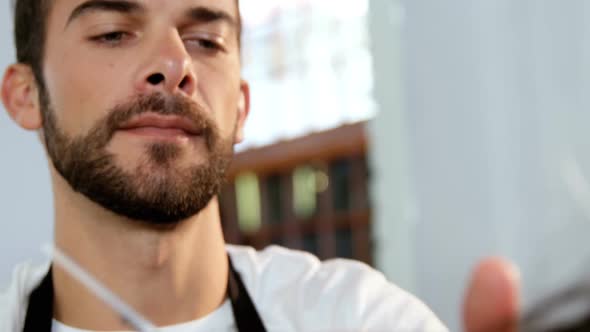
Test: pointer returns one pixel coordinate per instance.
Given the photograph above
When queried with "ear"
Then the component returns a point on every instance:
(20, 96)
(243, 111)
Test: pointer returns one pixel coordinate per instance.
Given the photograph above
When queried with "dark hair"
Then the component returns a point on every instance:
(30, 30)
(30, 27)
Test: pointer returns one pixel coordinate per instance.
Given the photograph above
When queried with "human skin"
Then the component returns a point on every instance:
(492, 299)
(92, 63)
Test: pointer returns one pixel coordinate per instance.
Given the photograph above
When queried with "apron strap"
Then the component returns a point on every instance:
(245, 314)
(40, 310)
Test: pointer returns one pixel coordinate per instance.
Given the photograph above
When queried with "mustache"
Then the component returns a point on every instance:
(156, 103)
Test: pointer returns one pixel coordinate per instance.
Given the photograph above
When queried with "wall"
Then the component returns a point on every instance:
(393, 202)
(25, 194)
(494, 113)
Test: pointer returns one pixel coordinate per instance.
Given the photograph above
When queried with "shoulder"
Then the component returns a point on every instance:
(14, 298)
(295, 288)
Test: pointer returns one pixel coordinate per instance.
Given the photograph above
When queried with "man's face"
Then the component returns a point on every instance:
(143, 102)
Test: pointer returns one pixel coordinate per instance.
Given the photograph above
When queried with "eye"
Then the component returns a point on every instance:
(111, 38)
(205, 44)
(209, 44)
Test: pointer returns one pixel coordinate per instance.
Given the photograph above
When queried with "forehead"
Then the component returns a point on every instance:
(61, 10)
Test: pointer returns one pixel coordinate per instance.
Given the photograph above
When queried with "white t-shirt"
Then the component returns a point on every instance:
(292, 291)
(221, 320)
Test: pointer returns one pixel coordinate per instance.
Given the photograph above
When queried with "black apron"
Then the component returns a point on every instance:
(40, 310)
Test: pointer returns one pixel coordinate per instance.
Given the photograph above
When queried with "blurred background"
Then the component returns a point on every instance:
(415, 135)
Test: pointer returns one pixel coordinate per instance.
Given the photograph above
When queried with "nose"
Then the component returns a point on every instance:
(167, 67)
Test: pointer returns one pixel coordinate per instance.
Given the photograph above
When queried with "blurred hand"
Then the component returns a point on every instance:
(492, 299)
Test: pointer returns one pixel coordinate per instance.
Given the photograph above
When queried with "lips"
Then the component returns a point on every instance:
(161, 125)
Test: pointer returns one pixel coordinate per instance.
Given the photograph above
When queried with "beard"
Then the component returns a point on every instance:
(158, 191)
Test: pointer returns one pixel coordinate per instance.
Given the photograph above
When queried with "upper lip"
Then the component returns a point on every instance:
(163, 122)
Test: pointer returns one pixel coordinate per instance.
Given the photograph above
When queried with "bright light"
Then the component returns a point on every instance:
(257, 12)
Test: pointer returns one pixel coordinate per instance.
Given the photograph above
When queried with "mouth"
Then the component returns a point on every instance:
(161, 126)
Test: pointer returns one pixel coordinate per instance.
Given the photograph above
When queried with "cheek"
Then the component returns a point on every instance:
(79, 92)
(221, 93)
(226, 114)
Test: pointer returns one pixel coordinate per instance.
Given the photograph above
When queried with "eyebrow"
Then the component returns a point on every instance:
(209, 15)
(118, 6)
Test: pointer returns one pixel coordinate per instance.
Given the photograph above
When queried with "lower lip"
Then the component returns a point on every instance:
(162, 133)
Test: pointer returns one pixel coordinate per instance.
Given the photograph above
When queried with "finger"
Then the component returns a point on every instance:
(491, 302)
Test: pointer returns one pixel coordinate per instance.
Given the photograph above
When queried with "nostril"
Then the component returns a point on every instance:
(156, 79)
(184, 82)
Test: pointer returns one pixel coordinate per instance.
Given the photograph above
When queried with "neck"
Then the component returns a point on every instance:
(170, 276)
